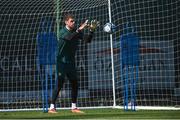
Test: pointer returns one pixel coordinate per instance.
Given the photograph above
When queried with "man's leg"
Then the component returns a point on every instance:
(74, 93)
(58, 87)
(74, 85)
(52, 108)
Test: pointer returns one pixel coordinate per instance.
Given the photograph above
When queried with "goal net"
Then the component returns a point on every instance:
(139, 62)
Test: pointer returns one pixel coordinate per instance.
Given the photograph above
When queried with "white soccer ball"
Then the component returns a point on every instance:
(109, 28)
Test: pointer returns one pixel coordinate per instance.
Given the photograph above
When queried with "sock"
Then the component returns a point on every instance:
(52, 106)
(73, 105)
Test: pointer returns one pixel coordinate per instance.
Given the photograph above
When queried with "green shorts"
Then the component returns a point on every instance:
(66, 69)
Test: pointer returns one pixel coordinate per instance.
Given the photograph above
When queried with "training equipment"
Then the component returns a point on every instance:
(109, 28)
(137, 65)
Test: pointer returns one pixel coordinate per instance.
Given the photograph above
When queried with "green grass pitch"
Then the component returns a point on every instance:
(108, 114)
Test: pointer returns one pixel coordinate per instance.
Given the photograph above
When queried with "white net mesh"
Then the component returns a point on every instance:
(155, 26)
(24, 23)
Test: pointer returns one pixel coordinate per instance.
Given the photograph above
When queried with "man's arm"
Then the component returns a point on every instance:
(92, 27)
(88, 37)
(75, 35)
(79, 35)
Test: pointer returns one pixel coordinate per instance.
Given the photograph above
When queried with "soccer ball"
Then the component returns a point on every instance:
(109, 28)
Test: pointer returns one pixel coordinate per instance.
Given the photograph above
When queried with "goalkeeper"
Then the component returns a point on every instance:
(67, 44)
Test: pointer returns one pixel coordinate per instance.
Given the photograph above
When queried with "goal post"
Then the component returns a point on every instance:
(112, 59)
(29, 30)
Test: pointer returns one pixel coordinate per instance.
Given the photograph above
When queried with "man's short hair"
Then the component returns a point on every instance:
(68, 16)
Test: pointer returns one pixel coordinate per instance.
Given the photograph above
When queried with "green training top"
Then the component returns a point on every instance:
(67, 44)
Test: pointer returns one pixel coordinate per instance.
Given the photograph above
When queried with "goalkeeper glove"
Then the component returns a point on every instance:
(93, 25)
